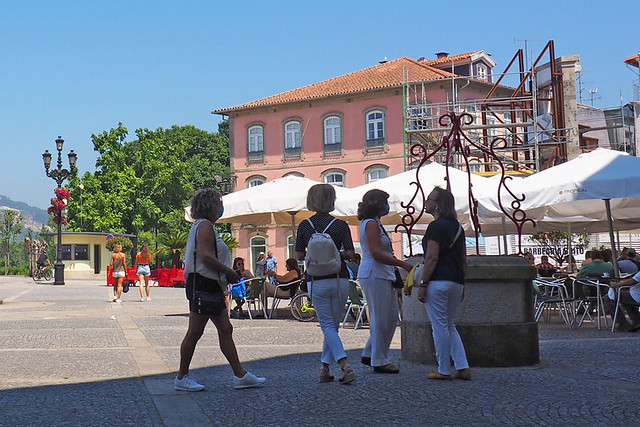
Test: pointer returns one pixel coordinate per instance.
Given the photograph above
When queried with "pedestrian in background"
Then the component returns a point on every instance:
(143, 259)
(442, 283)
(328, 292)
(208, 261)
(118, 266)
(376, 274)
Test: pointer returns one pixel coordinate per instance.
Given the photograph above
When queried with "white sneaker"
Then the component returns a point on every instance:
(141, 299)
(118, 300)
(249, 380)
(148, 298)
(114, 299)
(187, 384)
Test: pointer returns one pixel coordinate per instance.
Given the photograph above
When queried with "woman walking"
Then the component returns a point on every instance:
(442, 283)
(207, 262)
(118, 270)
(376, 274)
(143, 259)
(329, 292)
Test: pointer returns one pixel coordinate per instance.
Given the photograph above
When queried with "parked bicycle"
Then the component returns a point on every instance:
(301, 307)
(43, 272)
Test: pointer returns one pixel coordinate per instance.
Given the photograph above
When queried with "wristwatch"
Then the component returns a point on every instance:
(423, 284)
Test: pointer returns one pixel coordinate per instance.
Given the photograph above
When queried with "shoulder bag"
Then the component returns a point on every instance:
(209, 303)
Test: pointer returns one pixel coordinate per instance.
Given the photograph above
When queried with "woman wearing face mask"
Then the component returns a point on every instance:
(207, 261)
(376, 275)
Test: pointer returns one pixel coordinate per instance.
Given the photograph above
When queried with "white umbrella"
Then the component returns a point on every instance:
(402, 189)
(589, 192)
(278, 202)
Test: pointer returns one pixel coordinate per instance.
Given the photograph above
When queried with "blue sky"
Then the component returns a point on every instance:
(76, 68)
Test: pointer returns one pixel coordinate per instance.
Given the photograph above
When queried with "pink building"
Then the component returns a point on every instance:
(347, 131)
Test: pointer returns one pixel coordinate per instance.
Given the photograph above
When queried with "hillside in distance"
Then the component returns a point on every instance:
(34, 217)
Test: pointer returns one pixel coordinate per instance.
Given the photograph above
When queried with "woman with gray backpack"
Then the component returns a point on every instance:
(324, 242)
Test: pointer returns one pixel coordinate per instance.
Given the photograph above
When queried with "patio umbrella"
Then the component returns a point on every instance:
(591, 192)
(401, 190)
(278, 202)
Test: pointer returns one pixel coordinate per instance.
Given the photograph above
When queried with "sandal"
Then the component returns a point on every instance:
(348, 376)
(386, 369)
(438, 376)
(324, 376)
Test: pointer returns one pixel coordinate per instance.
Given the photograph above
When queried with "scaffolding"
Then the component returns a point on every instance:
(524, 121)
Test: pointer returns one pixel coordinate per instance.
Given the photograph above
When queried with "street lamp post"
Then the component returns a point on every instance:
(59, 175)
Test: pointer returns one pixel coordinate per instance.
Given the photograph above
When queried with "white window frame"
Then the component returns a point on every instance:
(334, 177)
(375, 125)
(254, 181)
(481, 71)
(291, 248)
(376, 170)
(255, 139)
(332, 126)
(255, 249)
(293, 134)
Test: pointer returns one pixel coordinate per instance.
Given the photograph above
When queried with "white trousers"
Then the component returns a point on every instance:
(329, 297)
(443, 299)
(383, 311)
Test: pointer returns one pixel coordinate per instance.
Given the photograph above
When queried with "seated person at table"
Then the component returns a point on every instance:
(587, 258)
(529, 257)
(238, 267)
(545, 268)
(627, 264)
(629, 300)
(293, 273)
(597, 267)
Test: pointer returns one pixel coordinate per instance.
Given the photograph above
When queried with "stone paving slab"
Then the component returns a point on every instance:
(69, 356)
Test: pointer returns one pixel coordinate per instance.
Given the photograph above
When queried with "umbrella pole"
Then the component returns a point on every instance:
(293, 225)
(570, 255)
(614, 252)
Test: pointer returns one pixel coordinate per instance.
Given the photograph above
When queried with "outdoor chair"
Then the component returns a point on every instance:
(552, 295)
(588, 292)
(276, 298)
(615, 313)
(253, 298)
(356, 304)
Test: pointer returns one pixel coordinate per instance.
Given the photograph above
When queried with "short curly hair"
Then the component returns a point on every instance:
(372, 204)
(205, 203)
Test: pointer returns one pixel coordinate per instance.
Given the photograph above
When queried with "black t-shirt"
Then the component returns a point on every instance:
(450, 260)
(339, 232)
(42, 259)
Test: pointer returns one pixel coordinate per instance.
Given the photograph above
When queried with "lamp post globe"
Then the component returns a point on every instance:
(59, 175)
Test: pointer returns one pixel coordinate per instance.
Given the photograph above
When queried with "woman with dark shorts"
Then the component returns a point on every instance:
(212, 267)
(442, 283)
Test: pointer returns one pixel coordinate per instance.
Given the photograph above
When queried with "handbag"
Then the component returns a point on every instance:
(209, 303)
(398, 283)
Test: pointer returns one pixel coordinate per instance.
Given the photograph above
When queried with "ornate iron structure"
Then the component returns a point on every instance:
(456, 142)
(59, 175)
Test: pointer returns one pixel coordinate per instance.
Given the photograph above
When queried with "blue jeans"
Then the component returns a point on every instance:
(329, 297)
(443, 299)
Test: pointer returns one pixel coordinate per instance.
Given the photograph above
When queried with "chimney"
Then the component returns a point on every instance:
(442, 54)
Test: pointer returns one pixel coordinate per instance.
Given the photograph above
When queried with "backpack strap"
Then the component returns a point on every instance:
(327, 227)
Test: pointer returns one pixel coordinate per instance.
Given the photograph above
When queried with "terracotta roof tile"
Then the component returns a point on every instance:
(446, 59)
(386, 75)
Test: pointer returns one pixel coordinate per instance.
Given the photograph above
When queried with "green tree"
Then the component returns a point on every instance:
(10, 229)
(555, 244)
(174, 242)
(143, 185)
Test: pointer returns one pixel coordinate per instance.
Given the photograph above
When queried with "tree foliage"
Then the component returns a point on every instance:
(555, 244)
(143, 185)
(10, 229)
(124, 241)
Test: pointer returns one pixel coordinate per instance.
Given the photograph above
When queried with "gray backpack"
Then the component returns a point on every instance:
(322, 257)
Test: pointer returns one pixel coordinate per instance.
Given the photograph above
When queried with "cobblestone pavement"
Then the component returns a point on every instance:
(69, 356)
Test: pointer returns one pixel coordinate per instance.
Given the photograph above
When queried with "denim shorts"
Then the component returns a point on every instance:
(144, 270)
